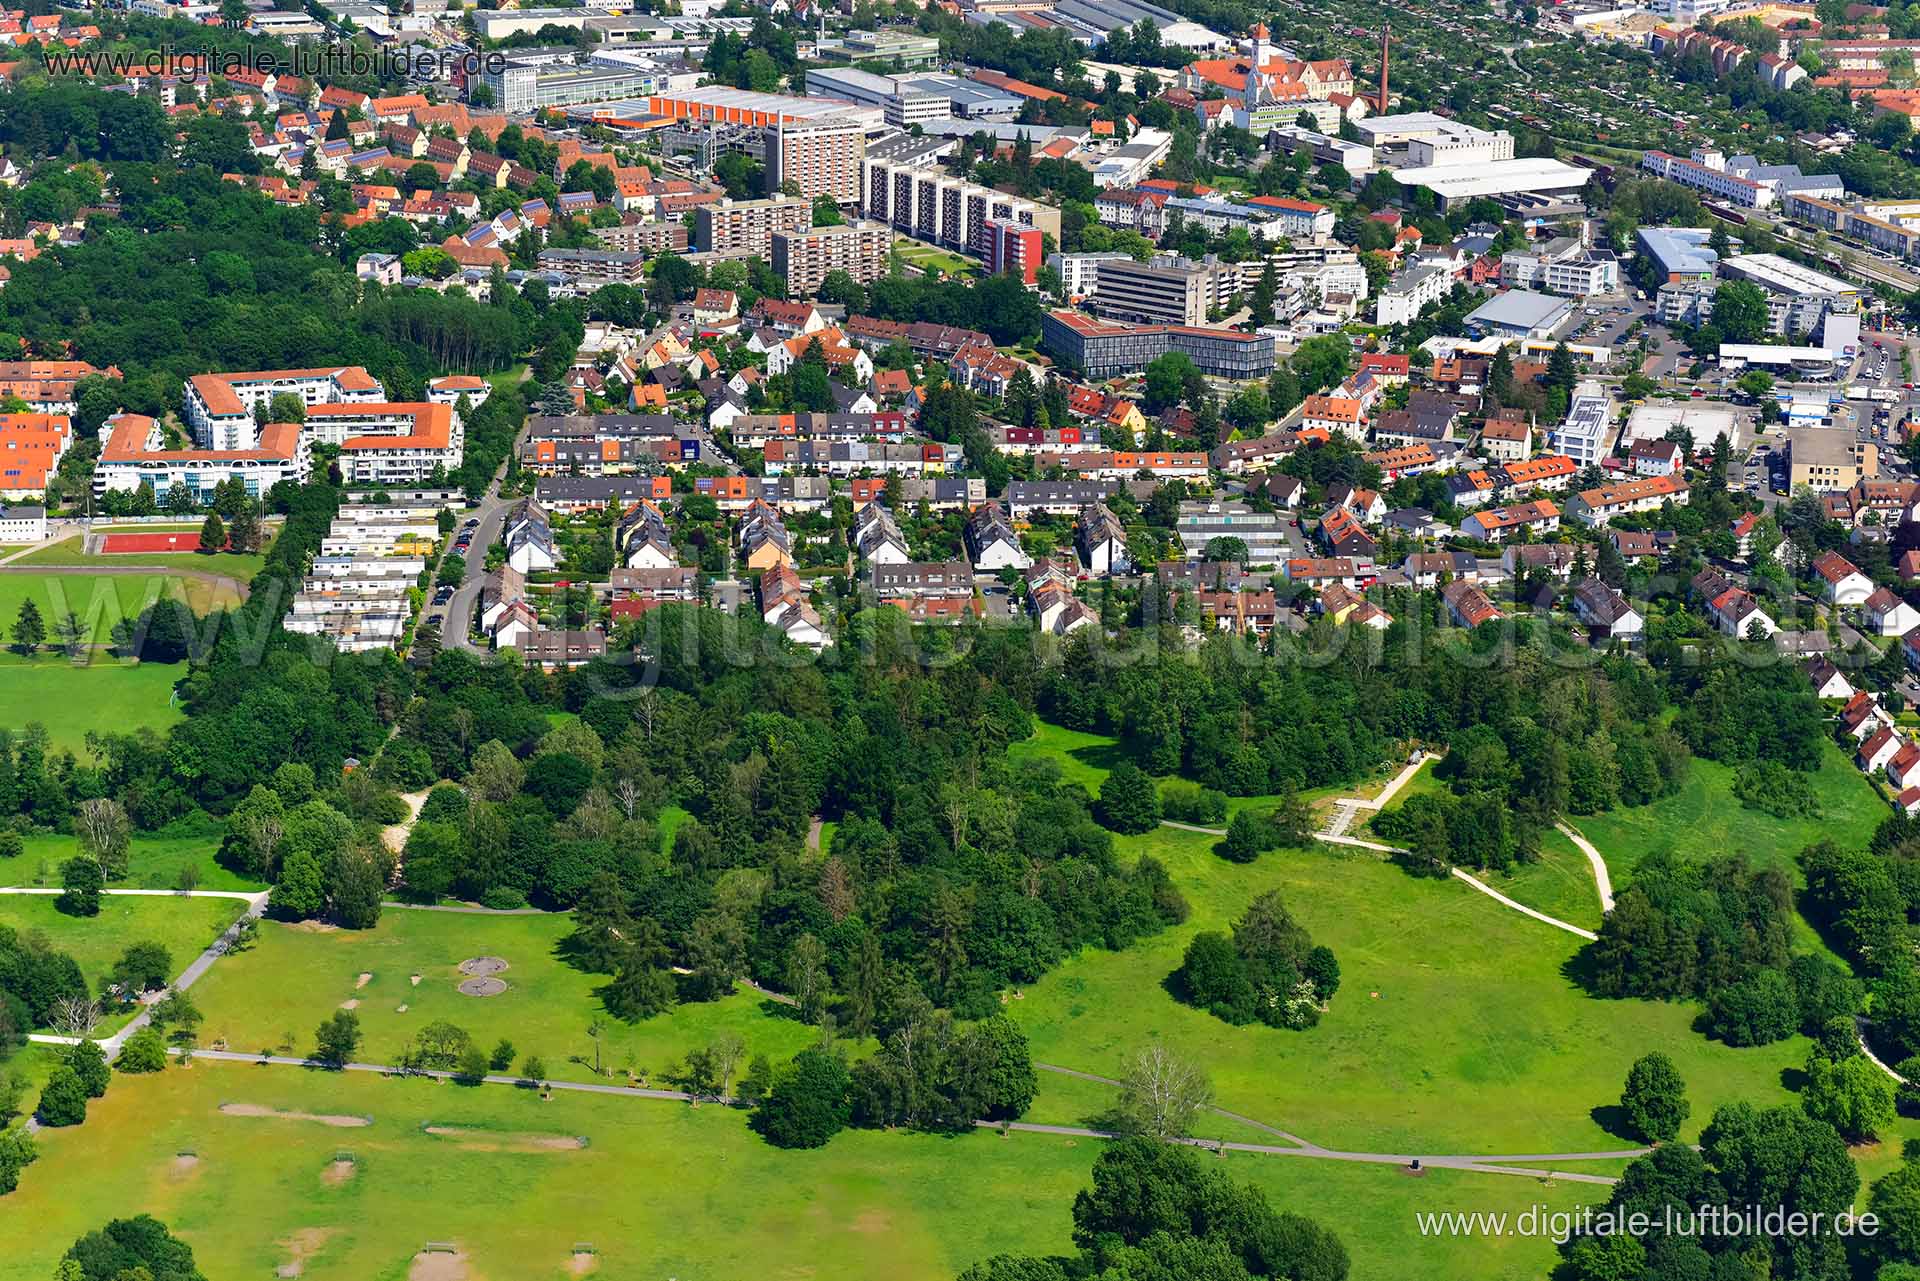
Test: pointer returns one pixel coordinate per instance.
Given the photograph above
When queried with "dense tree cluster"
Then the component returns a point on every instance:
(1684, 929)
(139, 1247)
(1156, 1210)
(1268, 970)
(33, 980)
(1718, 931)
(1749, 1160)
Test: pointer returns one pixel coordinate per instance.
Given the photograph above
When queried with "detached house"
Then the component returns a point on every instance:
(1863, 717)
(1468, 605)
(1606, 611)
(1102, 541)
(1887, 614)
(1879, 748)
(1841, 582)
(991, 543)
(1828, 681)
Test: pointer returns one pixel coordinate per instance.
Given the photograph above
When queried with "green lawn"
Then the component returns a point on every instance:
(101, 600)
(1087, 759)
(1705, 820)
(660, 1189)
(155, 860)
(68, 551)
(297, 975)
(183, 926)
(104, 696)
(1455, 1028)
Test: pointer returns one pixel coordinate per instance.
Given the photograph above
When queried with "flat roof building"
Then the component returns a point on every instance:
(1519, 313)
(804, 258)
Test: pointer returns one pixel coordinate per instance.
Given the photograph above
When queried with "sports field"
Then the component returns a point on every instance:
(101, 600)
(71, 551)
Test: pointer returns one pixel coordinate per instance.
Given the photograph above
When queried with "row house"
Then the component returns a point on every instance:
(642, 538)
(992, 544)
(1404, 460)
(1102, 541)
(1125, 465)
(1549, 473)
(1556, 560)
(785, 606)
(1427, 569)
(1033, 440)
(755, 431)
(1051, 602)
(764, 540)
(1239, 456)
(1502, 523)
(904, 581)
(851, 457)
(1027, 498)
(1320, 572)
(633, 592)
(1595, 507)
(1243, 613)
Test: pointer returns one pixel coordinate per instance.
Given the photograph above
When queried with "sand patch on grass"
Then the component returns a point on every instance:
(362, 981)
(338, 1172)
(315, 927)
(302, 1245)
(184, 1166)
(438, 1265)
(351, 1003)
(582, 1262)
(335, 1119)
(507, 1140)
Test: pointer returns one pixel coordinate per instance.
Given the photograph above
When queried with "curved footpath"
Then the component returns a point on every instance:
(1345, 810)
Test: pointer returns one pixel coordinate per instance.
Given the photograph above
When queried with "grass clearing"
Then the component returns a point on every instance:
(155, 860)
(183, 926)
(296, 975)
(869, 1205)
(101, 600)
(1455, 1028)
(104, 696)
(1705, 820)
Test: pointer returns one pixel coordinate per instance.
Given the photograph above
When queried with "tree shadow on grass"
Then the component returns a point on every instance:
(1793, 1078)
(780, 1010)
(1100, 756)
(1613, 1118)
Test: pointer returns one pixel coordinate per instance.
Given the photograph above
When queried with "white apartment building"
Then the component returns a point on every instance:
(1409, 292)
(930, 205)
(133, 454)
(1587, 434)
(220, 407)
(390, 444)
(1563, 266)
